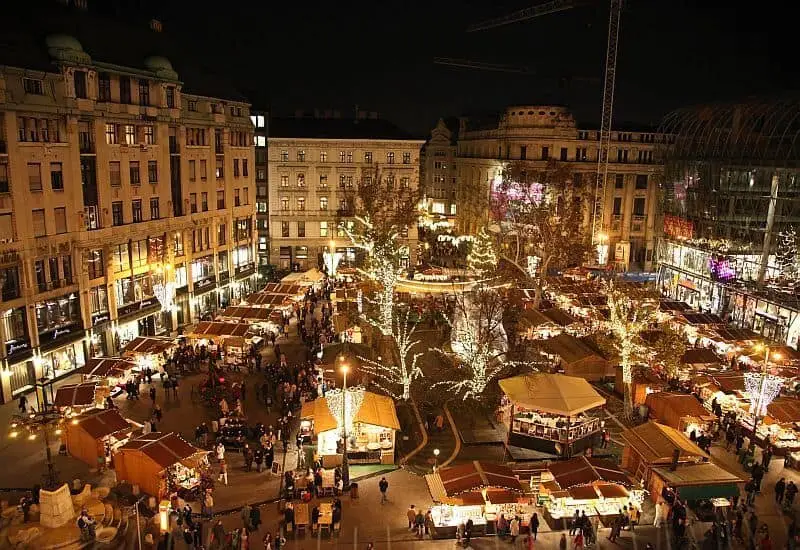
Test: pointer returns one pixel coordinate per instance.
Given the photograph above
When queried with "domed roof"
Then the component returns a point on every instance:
(161, 66)
(63, 47)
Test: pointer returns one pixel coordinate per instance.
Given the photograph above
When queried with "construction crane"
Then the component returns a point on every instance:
(615, 15)
(468, 64)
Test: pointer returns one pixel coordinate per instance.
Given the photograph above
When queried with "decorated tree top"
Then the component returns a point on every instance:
(482, 257)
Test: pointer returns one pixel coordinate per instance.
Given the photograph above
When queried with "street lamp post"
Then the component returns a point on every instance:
(345, 465)
(435, 460)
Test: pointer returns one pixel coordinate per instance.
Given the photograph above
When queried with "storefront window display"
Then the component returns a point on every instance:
(134, 289)
(204, 305)
(16, 330)
(202, 268)
(63, 360)
(58, 313)
(242, 256)
(98, 299)
(180, 276)
(126, 332)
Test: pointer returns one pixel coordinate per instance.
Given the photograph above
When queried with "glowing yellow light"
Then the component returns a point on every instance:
(32, 437)
(58, 431)
(759, 347)
(13, 434)
(75, 422)
(777, 356)
(345, 369)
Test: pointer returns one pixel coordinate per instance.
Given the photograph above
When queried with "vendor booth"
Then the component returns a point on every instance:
(75, 398)
(267, 300)
(304, 278)
(781, 426)
(643, 384)
(111, 372)
(700, 359)
(533, 325)
(577, 358)
(231, 336)
(148, 351)
(93, 436)
(253, 315)
(550, 413)
(592, 486)
(679, 411)
(370, 422)
(161, 464)
(480, 491)
(697, 482)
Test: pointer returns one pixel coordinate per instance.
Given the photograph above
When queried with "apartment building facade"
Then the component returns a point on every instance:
(315, 165)
(260, 122)
(535, 135)
(126, 208)
(439, 172)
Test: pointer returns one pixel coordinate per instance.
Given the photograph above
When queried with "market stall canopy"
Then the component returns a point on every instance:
(477, 475)
(377, 410)
(532, 318)
(657, 443)
(75, 395)
(263, 299)
(570, 349)
(165, 449)
(784, 410)
(284, 289)
(249, 314)
(210, 329)
(305, 278)
(102, 367)
(729, 383)
(670, 407)
(699, 356)
(148, 345)
(611, 490)
(583, 492)
(701, 481)
(552, 393)
(100, 423)
(584, 471)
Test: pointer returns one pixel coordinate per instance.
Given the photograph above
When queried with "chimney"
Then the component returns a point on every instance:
(676, 455)
(155, 25)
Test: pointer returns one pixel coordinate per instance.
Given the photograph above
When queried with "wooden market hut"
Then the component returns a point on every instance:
(87, 435)
(250, 314)
(148, 345)
(677, 410)
(694, 482)
(144, 461)
(577, 358)
(105, 368)
(643, 384)
(700, 358)
(533, 324)
(217, 330)
(78, 396)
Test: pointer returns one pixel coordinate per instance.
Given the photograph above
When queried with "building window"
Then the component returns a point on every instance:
(136, 210)
(39, 227)
(301, 180)
(129, 134)
(149, 135)
(641, 181)
(204, 201)
(284, 181)
(301, 156)
(133, 169)
(220, 200)
(617, 208)
(222, 235)
(235, 168)
(33, 86)
(284, 229)
(246, 193)
(152, 171)
(323, 229)
(323, 181)
(349, 156)
(124, 89)
(284, 156)
(301, 203)
(192, 106)
(144, 92)
(116, 213)
(104, 87)
(245, 170)
(97, 267)
(341, 156)
(638, 206)
(114, 175)
(155, 209)
(34, 176)
(56, 176)
(60, 217)
(563, 153)
(368, 157)
(192, 170)
(237, 201)
(323, 203)
(619, 181)
(285, 204)
(545, 153)
(177, 243)
(111, 133)
(203, 170)
(170, 97)
(301, 229)
(323, 156)
(4, 188)
(341, 181)
(390, 157)
(193, 203)
(79, 78)
(406, 158)
(220, 168)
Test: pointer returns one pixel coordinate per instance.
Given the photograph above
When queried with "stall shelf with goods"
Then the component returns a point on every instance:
(550, 413)
(160, 464)
(480, 491)
(679, 411)
(94, 435)
(370, 421)
(577, 358)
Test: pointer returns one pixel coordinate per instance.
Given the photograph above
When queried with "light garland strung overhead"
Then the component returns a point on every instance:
(353, 398)
(762, 390)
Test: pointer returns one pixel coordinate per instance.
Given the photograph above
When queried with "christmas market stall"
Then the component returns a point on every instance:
(680, 411)
(148, 351)
(107, 371)
(577, 358)
(644, 383)
(550, 413)
(780, 426)
(591, 486)
(73, 399)
(370, 424)
(534, 325)
(94, 435)
(700, 359)
(726, 389)
(480, 491)
(302, 279)
(230, 336)
(161, 464)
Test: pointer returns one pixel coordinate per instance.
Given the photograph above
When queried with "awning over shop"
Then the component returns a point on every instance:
(570, 349)
(670, 407)
(584, 492)
(264, 299)
(476, 475)
(699, 356)
(552, 393)
(165, 449)
(148, 345)
(102, 367)
(284, 289)
(784, 410)
(100, 423)
(376, 410)
(583, 471)
(697, 481)
(250, 314)
(209, 329)
(611, 490)
(699, 492)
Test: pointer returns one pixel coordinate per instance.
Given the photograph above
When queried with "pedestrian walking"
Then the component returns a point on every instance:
(780, 489)
(153, 394)
(223, 471)
(383, 486)
(534, 525)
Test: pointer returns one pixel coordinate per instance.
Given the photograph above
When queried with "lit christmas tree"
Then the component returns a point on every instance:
(786, 253)
(482, 257)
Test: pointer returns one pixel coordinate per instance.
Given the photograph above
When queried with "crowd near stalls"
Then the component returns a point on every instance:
(233, 338)
(95, 435)
(149, 352)
(551, 413)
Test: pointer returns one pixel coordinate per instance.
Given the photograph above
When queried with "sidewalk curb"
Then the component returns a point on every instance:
(457, 448)
(421, 429)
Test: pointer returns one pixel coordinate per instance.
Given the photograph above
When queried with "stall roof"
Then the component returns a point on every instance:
(218, 328)
(611, 490)
(377, 410)
(309, 277)
(684, 404)
(262, 299)
(284, 289)
(672, 305)
(778, 355)
(729, 383)
(501, 497)
(706, 473)
(656, 443)
(552, 393)
(75, 395)
(533, 318)
(699, 356)
(732, 334)
(246, 313)
(559, 317)
(148, 345)
(165, 449)
(102, 367)
(582, 471)
(585, 492)
(99, 423)
(569, 348)
(476, 475)
(784, 410)
(702, 318)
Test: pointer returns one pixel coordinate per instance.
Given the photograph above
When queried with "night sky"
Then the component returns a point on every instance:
(286, 55)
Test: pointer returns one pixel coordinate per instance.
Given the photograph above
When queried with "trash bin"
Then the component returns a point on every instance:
(354, 490)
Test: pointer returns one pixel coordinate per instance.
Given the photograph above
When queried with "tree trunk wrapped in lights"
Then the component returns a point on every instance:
(402, 370)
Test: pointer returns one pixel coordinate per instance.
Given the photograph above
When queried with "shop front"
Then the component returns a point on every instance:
(61, 356)
(21, 374)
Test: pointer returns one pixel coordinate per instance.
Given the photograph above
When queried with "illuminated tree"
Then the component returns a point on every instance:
(482, 257)
(401, 370)
(786, 253)
(630, 313)
(668, 350)
(375, 217)
(542, 213)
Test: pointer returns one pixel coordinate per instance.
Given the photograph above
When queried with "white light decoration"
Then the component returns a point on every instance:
(165, 294)
(332, 260)
(404, 373)
(353, 398)
(533, 266)
(762, 389)
(360, 301)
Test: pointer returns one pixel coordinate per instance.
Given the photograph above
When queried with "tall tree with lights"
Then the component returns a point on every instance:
(482, 258)
(542, 213)
(630, 313)
(401, 370)
(786, 253)
(375, 216)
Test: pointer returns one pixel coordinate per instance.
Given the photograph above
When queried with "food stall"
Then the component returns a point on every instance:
(73, 399)
(231, 336)
(148, 351)
(112, 372)
(653, 445)
(680, 411)
(593, 486)
(370, 422)
(94, 435)
(577, 358)
(727, 389)
(260, 319)
(161, 464)
(550, 413)
(480, 491)
(780, 426)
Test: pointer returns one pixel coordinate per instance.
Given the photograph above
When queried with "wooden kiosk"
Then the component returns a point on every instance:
(94, 435)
